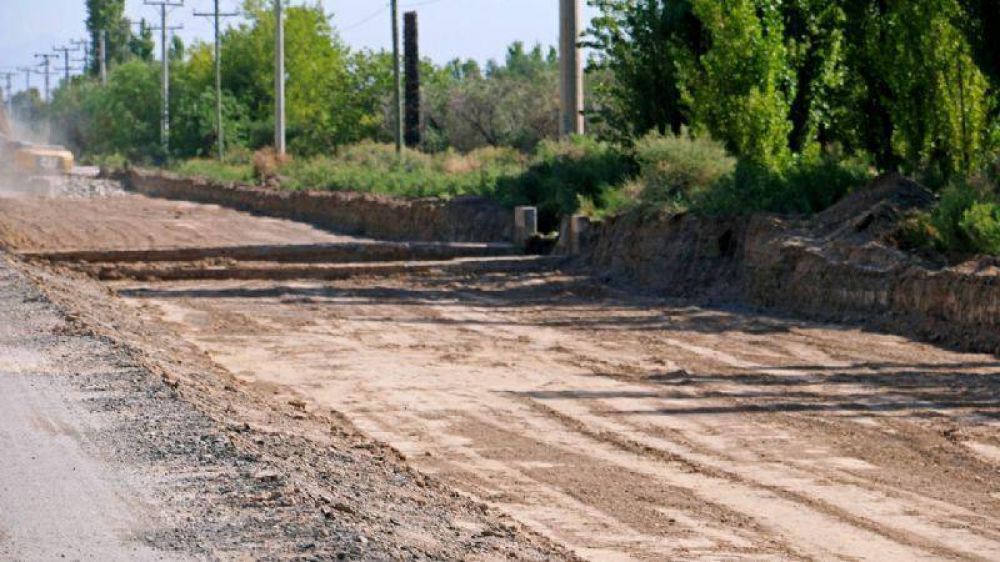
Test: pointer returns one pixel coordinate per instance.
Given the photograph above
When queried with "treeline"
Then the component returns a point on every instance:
(905, 84)
(336, 96)
(710, 105)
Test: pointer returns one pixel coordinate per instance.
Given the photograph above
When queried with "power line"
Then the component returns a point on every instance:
(367, 19)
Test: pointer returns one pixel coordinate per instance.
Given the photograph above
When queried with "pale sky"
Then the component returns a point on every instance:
(479, 29)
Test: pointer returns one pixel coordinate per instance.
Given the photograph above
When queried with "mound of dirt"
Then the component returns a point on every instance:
(872, 212)
(841, 264)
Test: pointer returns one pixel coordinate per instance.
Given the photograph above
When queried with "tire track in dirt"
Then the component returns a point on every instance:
(709, 469)
(507, 333)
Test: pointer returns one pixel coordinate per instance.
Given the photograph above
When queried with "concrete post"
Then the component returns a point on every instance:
(279, 78)
(102, 47)
(570, 68)
(525, 224)
(579, 227)
(165, 75)
(572, 232)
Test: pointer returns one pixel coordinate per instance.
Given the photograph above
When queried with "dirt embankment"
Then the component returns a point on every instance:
(463, 219)
(839, 265)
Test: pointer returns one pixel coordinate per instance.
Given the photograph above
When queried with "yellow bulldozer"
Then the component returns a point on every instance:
(26, 159)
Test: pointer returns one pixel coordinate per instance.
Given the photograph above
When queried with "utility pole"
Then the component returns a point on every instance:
(47, 63)
(102, 53)
(9, 90)
(397, 96)
(28, 71)
(279, 77)
(66, 68)
(219, 129)
(165, 69)
(85, 45)
(570, 68)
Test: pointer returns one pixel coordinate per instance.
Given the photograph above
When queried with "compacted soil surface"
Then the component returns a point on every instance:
(121, 442)
(612, 425)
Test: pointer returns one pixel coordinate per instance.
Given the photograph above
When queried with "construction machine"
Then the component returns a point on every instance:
(26, 159)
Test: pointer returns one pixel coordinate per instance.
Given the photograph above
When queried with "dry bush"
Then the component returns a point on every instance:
(267, 164)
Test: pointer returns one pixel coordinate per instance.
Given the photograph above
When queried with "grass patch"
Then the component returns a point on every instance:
(376, 168)
(228, 172)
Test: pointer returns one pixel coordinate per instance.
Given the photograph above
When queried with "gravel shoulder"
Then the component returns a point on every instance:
(60, 496)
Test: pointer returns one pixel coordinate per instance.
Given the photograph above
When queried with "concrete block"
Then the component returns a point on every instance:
(525, 224)
(579, 227)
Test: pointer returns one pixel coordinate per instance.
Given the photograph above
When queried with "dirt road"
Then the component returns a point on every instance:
(620, 426)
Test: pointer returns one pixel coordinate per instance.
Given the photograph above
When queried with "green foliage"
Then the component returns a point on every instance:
(965, 221)
(123, 118)
(906, 82)
(675, 170)
(375, 168)
(561, 175)
(215, 170)
(981, 225)
(917, 232)
(515, 104)
(640, 47)
(804, 187)
(736, 91)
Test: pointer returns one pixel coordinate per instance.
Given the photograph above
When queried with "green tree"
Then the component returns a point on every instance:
(108, 16)
(739, 89)
(141, 45)
(512, 104)
(640, 46)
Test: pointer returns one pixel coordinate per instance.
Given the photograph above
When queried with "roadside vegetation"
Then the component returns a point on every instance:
(707, 106)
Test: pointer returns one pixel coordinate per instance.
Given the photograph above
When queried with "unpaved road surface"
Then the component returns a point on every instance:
(619, 426)
(122, 443)
(58, 500)
(107, 219)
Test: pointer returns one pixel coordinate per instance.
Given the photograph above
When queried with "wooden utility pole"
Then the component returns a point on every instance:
(570, 68)
(411, 57)
(9, 90)
(66, 67)
(219, 128)
(28, 71)
(165, 69)
(47, 64)
(279, 78)
(85, 45)
(397, 95)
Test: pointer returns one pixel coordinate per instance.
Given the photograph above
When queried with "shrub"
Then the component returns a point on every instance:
(808, 186)
(562, 174)
(376, 168)
(267, 162)
(981, 226)
(955, 200)
(675, 169)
